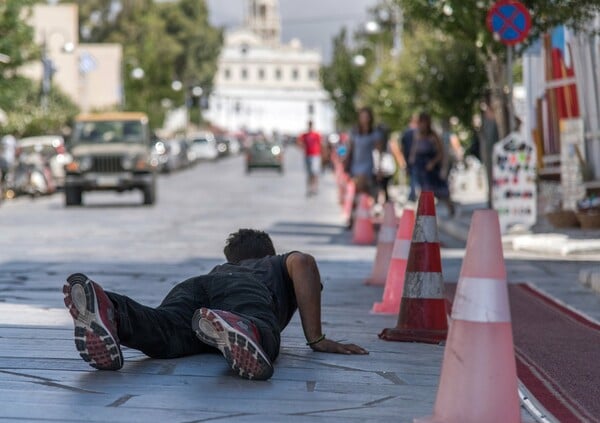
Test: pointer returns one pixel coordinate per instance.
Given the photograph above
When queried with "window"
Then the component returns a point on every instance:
(244, 73)
(312, 74)
(277, 73)
(261, 73)
(263, 11)
(227, 73)
(295, 74)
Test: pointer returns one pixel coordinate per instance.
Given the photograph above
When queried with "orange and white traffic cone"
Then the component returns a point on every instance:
(479, 377)
(422, 315)
(394, 285)
(385, 246)
(363, 232)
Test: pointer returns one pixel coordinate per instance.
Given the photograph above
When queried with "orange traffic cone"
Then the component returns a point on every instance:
(479, 376)
(422, 315)
(385, 246)
(363, 231)
(394, 285)
(350, 192)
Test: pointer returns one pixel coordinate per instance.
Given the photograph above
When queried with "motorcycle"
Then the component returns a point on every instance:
(30, 176)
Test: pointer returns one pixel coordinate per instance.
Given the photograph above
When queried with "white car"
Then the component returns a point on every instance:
(204, 146)
(52, 147)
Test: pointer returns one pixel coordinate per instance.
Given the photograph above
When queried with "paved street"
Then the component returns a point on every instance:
(143, 251)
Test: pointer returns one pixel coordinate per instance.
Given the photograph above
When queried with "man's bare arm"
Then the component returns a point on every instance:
(305, 276)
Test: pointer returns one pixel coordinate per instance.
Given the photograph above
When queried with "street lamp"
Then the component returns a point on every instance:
(372, 27)
(176, 85)
(197, 92)
(359, 60)
(48, 68)
(137, 73)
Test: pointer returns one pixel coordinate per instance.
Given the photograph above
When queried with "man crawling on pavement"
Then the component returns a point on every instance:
(239, 308)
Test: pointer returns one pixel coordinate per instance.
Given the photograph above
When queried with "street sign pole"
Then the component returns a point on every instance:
(510, 21)
(509, 70)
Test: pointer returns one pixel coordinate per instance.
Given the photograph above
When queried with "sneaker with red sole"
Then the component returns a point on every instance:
(95, 327)
(237, 339)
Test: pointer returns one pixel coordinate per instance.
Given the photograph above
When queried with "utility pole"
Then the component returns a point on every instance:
(398, 19)
(46, 75)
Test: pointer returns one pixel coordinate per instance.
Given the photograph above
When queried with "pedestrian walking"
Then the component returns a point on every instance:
(488, 137)
(402, 151)
(427, 158)
(384, 164)
(239, 309)
(364, 139)
(312, 143)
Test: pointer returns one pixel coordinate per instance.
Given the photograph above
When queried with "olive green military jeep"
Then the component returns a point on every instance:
(111, 151)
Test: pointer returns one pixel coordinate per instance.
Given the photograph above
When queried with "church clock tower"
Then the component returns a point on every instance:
(263, 19)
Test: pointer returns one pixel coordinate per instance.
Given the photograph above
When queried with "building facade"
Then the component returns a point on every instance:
(265, 85)
(90, 74)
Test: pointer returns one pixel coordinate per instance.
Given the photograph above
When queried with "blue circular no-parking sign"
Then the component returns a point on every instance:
(510, 20)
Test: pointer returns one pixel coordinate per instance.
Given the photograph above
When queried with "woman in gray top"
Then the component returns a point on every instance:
(363, 140)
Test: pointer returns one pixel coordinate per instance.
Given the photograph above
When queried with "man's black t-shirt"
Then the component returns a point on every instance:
(271, 271)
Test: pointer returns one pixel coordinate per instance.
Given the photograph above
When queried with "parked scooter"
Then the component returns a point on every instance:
(30, 176)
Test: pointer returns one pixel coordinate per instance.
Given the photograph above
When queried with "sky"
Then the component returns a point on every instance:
(314, 22)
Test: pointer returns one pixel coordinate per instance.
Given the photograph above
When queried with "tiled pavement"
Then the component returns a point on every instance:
(142, 252)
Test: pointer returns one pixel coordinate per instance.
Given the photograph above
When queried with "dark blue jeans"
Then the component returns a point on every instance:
(166, 331)
(413, 183)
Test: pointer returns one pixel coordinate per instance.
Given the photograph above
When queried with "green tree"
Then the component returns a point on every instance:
(141, 31)
(20, 97)
(16, 37)
(168, 41)
(435, 72)
(200, 43)
(342, 80)
(465, 20)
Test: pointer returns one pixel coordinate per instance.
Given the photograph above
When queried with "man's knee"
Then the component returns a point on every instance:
(270, 339)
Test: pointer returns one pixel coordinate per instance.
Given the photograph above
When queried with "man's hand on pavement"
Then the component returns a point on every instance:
(329, 346)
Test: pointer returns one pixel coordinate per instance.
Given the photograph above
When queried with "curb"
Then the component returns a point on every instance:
(533, 406)
(590, 278)
(454, 228)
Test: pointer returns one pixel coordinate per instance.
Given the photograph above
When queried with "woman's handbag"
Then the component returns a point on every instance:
(384, 163)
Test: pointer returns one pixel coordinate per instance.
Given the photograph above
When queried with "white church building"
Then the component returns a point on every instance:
(265, 85)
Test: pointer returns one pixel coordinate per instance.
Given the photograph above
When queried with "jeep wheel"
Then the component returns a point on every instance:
(149, 193)
(72, 196)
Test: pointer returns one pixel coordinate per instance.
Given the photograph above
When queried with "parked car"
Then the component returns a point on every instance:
(228, 145)
(111, 151)
(264, 154)
(177, 154)
(204, 146)
(52, 149)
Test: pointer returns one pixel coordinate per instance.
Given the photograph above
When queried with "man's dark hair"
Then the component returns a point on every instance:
(248, 244)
